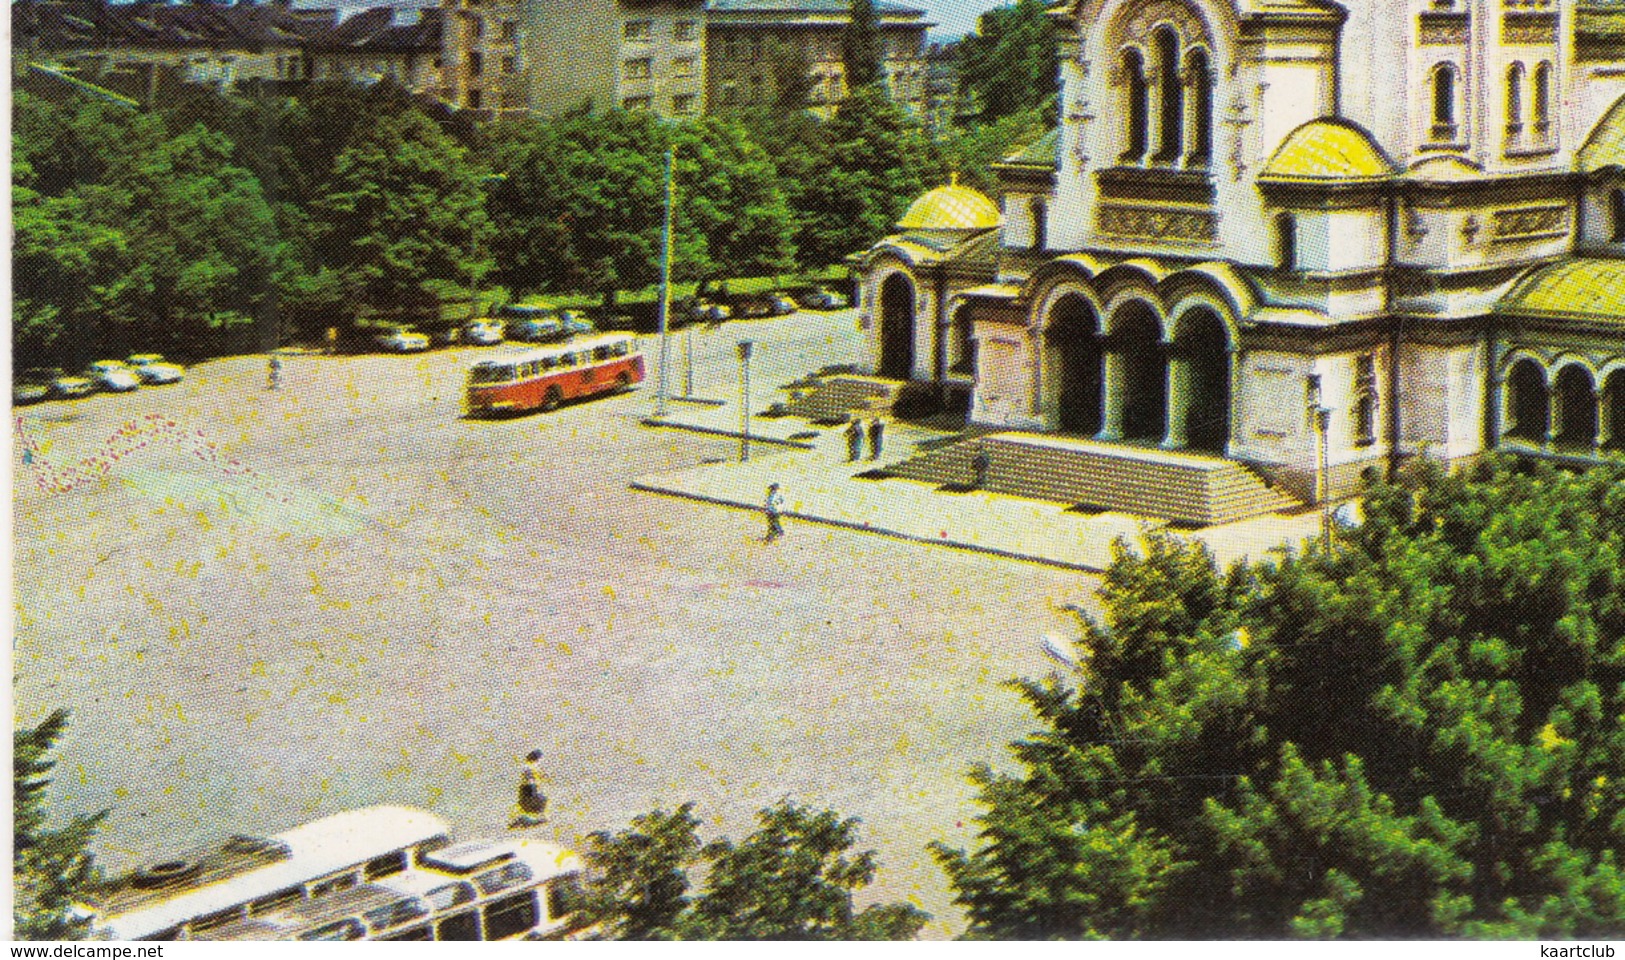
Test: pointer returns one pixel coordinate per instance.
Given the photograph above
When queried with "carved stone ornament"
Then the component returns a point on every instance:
(1157, 223)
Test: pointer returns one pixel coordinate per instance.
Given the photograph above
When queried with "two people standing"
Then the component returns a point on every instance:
(855, 432)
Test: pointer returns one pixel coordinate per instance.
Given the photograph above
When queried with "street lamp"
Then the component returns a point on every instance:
(745, 347)
(663, 388)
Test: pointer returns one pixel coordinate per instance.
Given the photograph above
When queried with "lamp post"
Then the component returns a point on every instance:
(663, 384)
(744, 400)
(688, 357)
(1323, 422)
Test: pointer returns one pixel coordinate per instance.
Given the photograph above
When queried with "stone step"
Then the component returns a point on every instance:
(1177, 486)
(840, 397)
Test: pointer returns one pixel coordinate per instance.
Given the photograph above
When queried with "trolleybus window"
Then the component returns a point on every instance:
(510, 916)
(346, 929)
(385, 865)
(461, 926)
(502, 878)
(415, 933)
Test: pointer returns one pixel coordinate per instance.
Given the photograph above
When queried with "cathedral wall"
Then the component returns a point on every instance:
(1442, 399)
(1005, 361)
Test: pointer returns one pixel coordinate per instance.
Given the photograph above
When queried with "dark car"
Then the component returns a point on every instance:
(817, 298)
(33, 384)
(761, 305)
(541, 324)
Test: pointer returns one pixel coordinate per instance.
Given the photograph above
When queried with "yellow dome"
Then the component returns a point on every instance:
(1327, 150)
(952, 207)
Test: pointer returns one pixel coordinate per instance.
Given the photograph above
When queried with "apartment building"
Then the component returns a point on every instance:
(633, 54)
(749, 43)
(483, 57)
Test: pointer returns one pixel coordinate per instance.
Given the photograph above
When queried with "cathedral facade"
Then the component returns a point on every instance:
(1314, 238)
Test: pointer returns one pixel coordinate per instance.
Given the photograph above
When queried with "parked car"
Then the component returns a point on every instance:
(70, 385)
(113, 375)
(817, 298)
(697, 310)
(542, 324)
(402, 340)
(33, 384)
(153, 368)
(761, 305)
(482, 333)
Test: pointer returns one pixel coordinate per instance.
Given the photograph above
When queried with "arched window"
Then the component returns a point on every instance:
(1286, 241)
(1444, 102)
(1139, 106)
(1200, 80)
(1543, 101)
(1514, 100)
(1039, 213)
(1616, 211)
(1170, 133)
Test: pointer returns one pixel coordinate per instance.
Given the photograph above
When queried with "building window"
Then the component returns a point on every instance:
(1514, 101)
(1139, 106)
(1200, 81)
(477, 28)
(476, 63)
(684, 30)
(1038, 212)
(635, 103)
(1365, 400)
(1170, 134)
(1286, 241)
(510, 64)
(510, 31)
(1444, 103)
(474, 99)
(756, 89)
(1543, 102)
(683, 67)
(638, 69)
(1616, 204)
(638, 31)
(683, 104)
(730, 93)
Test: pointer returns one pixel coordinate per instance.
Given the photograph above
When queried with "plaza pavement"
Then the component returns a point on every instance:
(820, 485)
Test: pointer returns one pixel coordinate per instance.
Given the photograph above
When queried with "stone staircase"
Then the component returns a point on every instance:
(1184, 488)
(835, 399)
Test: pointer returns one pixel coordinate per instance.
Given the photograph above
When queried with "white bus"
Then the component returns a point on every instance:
(380, 873)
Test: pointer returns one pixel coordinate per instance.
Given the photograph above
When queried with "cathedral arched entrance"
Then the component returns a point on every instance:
(1073, 362)
(897, 327)
(1612, 432)
(1574, 409)
(1528, 407)
(1136, 375)
(1199, 405)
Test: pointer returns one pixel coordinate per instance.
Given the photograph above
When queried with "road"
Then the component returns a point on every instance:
(356, 596)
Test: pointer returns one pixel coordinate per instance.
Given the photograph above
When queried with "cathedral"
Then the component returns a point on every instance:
(1305, 238)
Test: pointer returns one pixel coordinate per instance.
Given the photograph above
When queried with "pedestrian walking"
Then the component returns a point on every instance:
(877, 436)
(531, 810)
(854, 439)
(273, 373)
(980, 464)
(771, 507)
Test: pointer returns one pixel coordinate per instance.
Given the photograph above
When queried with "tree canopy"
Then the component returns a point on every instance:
(1419, 733)
(792, 879)
(1008, 64)
(861, 45)
(49, 867)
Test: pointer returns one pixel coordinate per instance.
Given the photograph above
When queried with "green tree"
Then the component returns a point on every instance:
(49, 867)
(861, 45)
(792, 75)
(403, 212)
(1419, 733)
(871, 161)
(1008, 64)
(731, 216)
(792, 879)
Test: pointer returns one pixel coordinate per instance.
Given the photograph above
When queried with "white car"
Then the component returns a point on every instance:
(403, 340)
(153, 368)
(113, 375)
(483, 333)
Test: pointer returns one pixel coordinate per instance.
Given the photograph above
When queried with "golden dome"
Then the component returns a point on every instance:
(1327, 150)
(951, 207)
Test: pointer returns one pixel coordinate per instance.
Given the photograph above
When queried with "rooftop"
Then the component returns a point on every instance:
(1585, 289)
(1327, 150)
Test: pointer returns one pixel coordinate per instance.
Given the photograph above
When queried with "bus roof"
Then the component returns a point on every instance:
(552, 350)
(315, 849)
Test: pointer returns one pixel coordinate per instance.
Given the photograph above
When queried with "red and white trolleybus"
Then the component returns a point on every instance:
(543, 378)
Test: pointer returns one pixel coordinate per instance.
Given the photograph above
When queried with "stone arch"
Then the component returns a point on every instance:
(1216, 284)
(1443, 92)
(1574, 414)
(963, 358)
(1136, 105)
(1073, 363)
(1611, 431)
(1527, 403)
(1199, 82)
(1199, 380)
(1136, 404)
(1541, 107)
(896, 326)
(1170, 95)
(1514, 99)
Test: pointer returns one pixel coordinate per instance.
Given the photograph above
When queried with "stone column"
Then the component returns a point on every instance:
(1179, 403)
(1111, 397)
(1554, 417)
(1605, 415)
